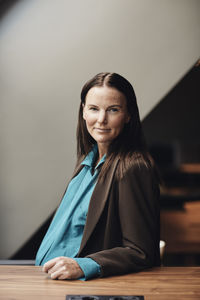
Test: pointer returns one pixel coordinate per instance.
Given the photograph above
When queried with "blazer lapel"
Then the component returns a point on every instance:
(97, 203)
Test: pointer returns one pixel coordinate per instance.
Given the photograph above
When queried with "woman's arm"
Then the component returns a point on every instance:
(138, 206)
(63, 267)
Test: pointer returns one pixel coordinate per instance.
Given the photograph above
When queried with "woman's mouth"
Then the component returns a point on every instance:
(102, 129)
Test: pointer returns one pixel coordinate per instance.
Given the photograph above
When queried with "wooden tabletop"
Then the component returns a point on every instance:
(165, 283)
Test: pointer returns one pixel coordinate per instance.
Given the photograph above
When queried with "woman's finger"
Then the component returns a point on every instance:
(66, 275)
(58, 265)
(48, 265)
(61, 273)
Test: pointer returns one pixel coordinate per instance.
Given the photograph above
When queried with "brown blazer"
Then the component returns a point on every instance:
(122, 227)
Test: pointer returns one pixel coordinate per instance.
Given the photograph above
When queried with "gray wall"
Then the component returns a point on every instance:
(48, 49)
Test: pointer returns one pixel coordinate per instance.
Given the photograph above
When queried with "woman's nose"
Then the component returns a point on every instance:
(102, 117)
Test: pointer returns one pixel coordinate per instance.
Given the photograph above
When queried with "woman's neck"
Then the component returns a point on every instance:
(102, 149)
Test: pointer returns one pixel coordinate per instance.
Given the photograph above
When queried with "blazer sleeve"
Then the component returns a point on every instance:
(138, 209)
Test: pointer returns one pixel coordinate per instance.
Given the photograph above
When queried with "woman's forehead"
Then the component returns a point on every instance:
(105, 94)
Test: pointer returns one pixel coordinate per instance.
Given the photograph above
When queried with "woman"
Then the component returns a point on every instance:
(108, 220)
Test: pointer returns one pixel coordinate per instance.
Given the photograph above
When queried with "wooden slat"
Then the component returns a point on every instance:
(181, 229)
(190, 168)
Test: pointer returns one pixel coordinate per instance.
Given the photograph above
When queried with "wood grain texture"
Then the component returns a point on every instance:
(185, 226)
(28, 282)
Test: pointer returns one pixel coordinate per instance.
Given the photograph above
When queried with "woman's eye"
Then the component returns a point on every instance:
(113, 109)
(93, 108)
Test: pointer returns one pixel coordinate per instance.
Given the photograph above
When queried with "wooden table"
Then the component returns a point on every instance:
(166, 283)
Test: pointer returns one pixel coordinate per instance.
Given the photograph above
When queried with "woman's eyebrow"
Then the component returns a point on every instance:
(90, 104)
(115, 105)
(110, 106)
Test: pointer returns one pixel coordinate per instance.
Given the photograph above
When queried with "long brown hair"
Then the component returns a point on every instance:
(129, 146)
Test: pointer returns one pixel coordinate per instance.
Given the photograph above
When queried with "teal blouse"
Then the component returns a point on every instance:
(65, 232)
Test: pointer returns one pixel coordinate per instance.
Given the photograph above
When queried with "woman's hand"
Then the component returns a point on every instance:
(63, 268)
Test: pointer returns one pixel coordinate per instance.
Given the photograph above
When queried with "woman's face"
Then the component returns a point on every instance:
(105, 113)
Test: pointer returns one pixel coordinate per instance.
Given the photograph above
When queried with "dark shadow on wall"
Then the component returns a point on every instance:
(172, 131)
(29, 249)
(5, 6)
(176, 120)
